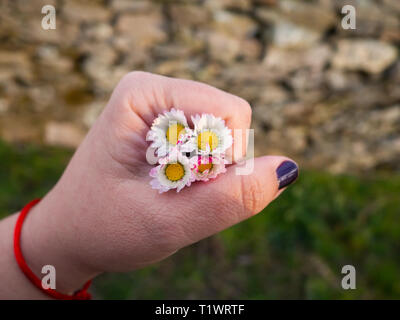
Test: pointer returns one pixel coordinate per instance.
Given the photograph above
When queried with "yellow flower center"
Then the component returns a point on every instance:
(205, 166)
(173, 133)
(207, 137)
(174, 171)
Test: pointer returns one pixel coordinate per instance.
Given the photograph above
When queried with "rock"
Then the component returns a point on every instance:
(33, 31)
(68, 86)
(63, 134)
(227, 48)
(192, 39)
(223, 47)
(251, 50)
(98, 32)
(393, 82)
(367, 55)
(294, 112)
(65, 35)
(379, 123)
(138, 6)
(176, 68)
(133, 59)
(100, 54)
(289, 35)
(368, 97)
(372, 20)
(392, 5)
(77, 11)
(235, 25)
(338, 80)
(252, 73)
(297, 24)
(143, 31)
(42, 97)
(233, 38)
(273, 94)
(227, 4)
(167, 51)
(309, 15)
(33, 8)
(15, 64)
(92, 112)
(306, 80)
(298, 138)
(187, 15)
(282, 115)
(51, 59)
(16, 129)
(266, 2)
(105, 77)
(98, 66)
(280, 62)
(4, 105)
(12, 60)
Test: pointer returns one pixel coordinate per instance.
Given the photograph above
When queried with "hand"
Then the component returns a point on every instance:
(103, 215)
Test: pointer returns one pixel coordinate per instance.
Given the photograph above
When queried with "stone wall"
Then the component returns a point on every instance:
(328, 97)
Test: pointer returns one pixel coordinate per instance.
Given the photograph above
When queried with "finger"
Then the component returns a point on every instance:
(164, 93)
(231, 198)
(149, 95)
(260, 184)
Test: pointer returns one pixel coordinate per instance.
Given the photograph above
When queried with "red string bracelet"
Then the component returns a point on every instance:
(79, 295)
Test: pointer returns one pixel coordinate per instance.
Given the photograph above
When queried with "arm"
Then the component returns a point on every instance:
(103, 215)
(40, 246)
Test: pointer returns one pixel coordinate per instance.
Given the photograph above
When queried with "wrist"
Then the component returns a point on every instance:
(45, 241)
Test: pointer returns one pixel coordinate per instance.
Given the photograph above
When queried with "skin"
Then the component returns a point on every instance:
(103, 216)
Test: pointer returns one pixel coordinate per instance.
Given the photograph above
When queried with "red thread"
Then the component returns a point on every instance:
(79, 295)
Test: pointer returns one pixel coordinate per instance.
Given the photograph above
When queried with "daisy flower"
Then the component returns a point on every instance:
(207, 167)
(173, 172)
(211, 136)
(169, 130)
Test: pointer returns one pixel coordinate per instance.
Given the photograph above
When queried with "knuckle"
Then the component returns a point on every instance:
(127, 85)
(133, 76)
(252, 195)
(245, 108)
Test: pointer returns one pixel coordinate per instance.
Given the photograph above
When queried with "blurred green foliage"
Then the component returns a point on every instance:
(27, 172)
(293, 249)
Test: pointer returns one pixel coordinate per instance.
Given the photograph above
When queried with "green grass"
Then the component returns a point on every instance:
(293, 249)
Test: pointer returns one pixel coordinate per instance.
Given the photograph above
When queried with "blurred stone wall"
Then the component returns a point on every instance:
(328, 97)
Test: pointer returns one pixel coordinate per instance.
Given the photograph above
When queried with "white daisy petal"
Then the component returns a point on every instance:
(210, 134)
(168, 130)
(173, 172)
(175, 142)
(207, 167)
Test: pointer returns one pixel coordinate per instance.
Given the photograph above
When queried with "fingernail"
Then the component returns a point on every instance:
(287, 172)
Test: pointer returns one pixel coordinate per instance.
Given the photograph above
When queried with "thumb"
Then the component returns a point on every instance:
(233, 197)
(253, 191)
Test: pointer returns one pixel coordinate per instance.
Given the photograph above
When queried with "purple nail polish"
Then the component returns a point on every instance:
(287, 172)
